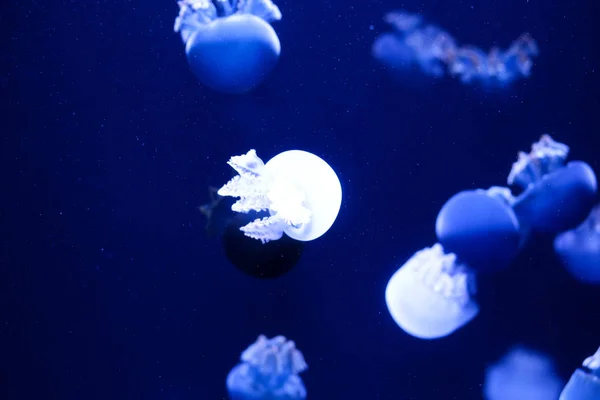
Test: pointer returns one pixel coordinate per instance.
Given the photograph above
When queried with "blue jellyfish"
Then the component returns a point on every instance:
(300, 191)
(579, 249)
(480, 227)
(430, 296)
(585, 382)
(556, 197)
(268, 370)
(229, 44)
(414, 43)
(522, 374)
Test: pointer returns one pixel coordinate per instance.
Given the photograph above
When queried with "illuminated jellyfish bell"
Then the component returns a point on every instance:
(480, 227)
(556, 197)
(584, 384)
(579, 249)
(430, 296)
(522, 374)
(301, 193)
(269, 370)
(230, 45)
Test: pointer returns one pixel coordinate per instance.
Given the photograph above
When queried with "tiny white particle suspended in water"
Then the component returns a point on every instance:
(300, 191)
(430, 296)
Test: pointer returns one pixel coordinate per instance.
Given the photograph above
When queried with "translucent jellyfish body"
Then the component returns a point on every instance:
(555, 197)
(430, 296)
(585, 381)
(480, 227)
(522, 374)
(269, 370)
(300, 191)
(230, 45)
(579, 249)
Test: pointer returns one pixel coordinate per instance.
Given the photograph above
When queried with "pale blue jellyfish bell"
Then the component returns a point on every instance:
(269, 370)
(585, 381)
(555, 197)
(430, 296)
(230, 44)
(480, 227)
(301, 193)
(522, 374)
(579, 249)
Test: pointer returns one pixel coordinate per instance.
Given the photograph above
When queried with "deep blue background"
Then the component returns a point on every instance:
(109, 287)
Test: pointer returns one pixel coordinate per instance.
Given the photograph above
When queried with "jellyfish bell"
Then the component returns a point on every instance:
(584, 384)
(480, 227)
(230, 46)
(430, 296)
(555, 197)
(300, 191)
(579, 249)
(264, 261)
(269, 370)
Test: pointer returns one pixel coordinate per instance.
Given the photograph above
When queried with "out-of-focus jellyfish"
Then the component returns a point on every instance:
(585, 381)
(434, 51)
(579, 249)
(208, 209)
(480, 227)
(300, 191)
(430, 296)
(229, 44)
(522, 374)
(269, 370)
(556, 197)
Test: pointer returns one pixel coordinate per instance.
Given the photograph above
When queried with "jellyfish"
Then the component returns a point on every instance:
(579, 249)
(229, 44)
(431, 295)
(269, 370)
(414, 43)
(556, 197)
(301, 193)
(522, 374)
(584, 384)
(480, 227)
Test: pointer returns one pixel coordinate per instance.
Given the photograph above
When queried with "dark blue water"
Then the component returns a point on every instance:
(109, 285)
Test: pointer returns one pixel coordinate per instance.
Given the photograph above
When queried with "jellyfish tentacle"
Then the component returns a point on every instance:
(264, 9)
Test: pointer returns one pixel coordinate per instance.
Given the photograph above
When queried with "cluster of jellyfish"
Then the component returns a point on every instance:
(415, 44)
(480, 231)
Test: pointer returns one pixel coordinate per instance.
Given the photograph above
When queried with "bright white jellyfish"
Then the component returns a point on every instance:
(585, 381)
(300, 191)
(430, 296)
(230, 45)
(522, 374)
(268, 371)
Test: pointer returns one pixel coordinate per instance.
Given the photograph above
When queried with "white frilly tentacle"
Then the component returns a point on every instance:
(259, 190)
(264, 9)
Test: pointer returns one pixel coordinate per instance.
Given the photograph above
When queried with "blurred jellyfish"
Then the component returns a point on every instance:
(433, 50)
(555, 197)
(229, 44)
(522, 374)
(585, 381)
(579, 249)
(268, 371)
(430, 296)
(300, 191)
(480, 227)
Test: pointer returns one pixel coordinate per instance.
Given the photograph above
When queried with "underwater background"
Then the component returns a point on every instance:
(110, 286)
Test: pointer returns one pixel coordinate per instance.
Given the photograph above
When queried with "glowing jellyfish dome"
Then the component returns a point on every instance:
(269, 370)
(229, 44)
(556, 197)
(480, 227)
(430, 296)
(585, 381)
(301, 193)
(579, 249)
(522, 374)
